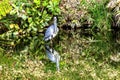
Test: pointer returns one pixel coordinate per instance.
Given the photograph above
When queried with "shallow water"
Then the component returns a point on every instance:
(83, 53)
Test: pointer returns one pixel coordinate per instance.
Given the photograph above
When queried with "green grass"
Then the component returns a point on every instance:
(97, 14)
(6, 59)
(87, 69)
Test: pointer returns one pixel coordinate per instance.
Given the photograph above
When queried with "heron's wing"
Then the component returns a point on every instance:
(54, 57)
(50, 29)
(49, 32)
(50, 55)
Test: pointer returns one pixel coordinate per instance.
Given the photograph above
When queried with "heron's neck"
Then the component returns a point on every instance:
(55, 25)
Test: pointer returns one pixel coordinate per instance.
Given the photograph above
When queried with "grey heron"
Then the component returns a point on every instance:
(51, 31)
(53, 56)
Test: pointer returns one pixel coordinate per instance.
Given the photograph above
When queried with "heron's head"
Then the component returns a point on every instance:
(55, 18)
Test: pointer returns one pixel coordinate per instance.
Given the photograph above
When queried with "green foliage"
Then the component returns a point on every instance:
(52, 6)
(37, 2)
(5, 8)
(37, 14)
(26, 20)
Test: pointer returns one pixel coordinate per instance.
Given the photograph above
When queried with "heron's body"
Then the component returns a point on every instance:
(53, 56)
(51, 31)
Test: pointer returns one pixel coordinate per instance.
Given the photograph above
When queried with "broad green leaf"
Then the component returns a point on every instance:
(37, 2)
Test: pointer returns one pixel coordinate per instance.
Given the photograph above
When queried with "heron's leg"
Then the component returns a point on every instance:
(57, 65)
(58, 38)
(52, 44)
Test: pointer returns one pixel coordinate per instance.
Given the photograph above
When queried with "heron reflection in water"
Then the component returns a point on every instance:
(53, 56)
(50, 33)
